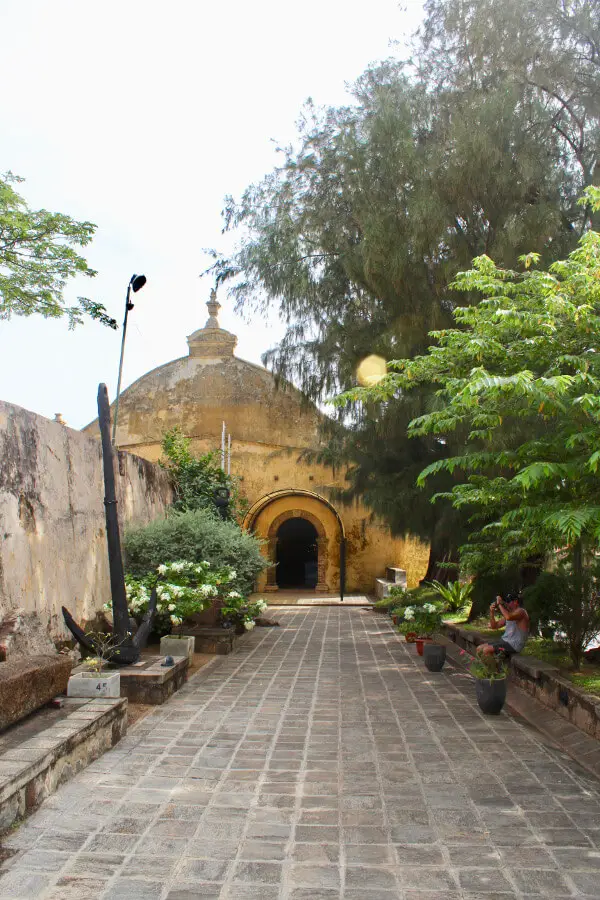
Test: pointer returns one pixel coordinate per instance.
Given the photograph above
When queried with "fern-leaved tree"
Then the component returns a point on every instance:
(521, 373)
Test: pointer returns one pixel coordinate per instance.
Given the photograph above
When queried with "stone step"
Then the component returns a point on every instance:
(396, 576)
(382, 587)
(52, 745)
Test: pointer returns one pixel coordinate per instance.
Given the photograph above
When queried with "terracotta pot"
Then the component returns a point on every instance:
(209, 618)
(410, 637)
(419, 644)
(395, 619)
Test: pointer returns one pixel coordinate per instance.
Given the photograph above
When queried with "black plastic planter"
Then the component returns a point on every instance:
(491, 694)
(434, 657)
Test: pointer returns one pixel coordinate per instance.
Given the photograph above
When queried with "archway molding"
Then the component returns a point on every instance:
(296, 511)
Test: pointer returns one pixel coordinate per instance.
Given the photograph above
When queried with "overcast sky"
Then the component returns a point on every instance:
(141, 116)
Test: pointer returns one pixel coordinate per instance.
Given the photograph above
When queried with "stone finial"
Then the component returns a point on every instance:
(59, 418)
(213, 306)
(212, 341)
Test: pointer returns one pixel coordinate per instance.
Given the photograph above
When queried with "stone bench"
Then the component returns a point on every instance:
(30, 682)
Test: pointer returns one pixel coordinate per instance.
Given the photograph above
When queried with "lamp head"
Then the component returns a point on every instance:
(137, 282)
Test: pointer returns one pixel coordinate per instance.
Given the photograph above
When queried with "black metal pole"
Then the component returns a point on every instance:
(128, 306)
(128, 652)
(342, 567)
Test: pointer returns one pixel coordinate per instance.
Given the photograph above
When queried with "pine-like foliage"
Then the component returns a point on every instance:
(470, 147)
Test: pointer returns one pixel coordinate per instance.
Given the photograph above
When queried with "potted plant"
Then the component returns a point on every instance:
(406, 627)
(413, 599)
(425, 620)
(178, 645)
(95, 682)
(241, 612)
(490, 673)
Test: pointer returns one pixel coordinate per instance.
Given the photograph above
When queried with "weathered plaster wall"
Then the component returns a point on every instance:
(52, 533)
(369, 546)
(265, 467)
(199, 394)
(271, 426)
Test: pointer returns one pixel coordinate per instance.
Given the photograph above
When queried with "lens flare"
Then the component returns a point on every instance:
(371, 370)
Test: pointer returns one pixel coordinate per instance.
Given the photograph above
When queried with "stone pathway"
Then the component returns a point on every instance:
(319, 762)
(311, 598)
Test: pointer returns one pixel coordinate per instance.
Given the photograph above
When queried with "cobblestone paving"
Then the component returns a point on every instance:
(319, 762)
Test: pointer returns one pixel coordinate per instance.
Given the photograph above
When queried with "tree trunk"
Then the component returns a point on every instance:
(441, 550)
(575, 626)
(530, 571)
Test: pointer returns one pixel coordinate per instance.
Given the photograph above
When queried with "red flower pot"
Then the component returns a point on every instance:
(410, 637)
(419, 642)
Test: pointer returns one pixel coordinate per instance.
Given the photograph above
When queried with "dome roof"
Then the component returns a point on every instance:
(211, 385)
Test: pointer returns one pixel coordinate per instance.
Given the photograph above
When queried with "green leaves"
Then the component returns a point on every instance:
(197, 536)
(530, 409)
(456, 596)
(37, 258)
(196, 479)
(573, 524)
(534, 474)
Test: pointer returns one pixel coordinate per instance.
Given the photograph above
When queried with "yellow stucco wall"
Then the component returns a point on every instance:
(369, 546)
(270, 427)
(266, 468)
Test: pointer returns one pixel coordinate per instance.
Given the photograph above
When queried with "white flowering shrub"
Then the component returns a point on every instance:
(422, 620)
(182, 588)
(239, 610)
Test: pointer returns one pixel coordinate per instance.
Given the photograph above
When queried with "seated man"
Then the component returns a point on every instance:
(516, 627)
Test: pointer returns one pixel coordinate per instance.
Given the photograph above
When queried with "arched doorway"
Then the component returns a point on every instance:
(318, 553)
(297, 554)
(270, 523)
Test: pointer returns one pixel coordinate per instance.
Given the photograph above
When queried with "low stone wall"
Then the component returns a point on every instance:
(542, 681)
(151, 682)
(33, 769)
(53, 539)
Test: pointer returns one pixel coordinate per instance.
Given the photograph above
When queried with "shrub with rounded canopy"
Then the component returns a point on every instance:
(195, 536)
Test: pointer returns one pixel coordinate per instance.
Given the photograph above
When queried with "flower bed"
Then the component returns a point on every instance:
(185, 590)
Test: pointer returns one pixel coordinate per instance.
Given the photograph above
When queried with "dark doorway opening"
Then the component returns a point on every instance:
(297, 554)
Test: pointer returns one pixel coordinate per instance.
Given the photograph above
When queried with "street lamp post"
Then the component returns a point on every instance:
(136, 282)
